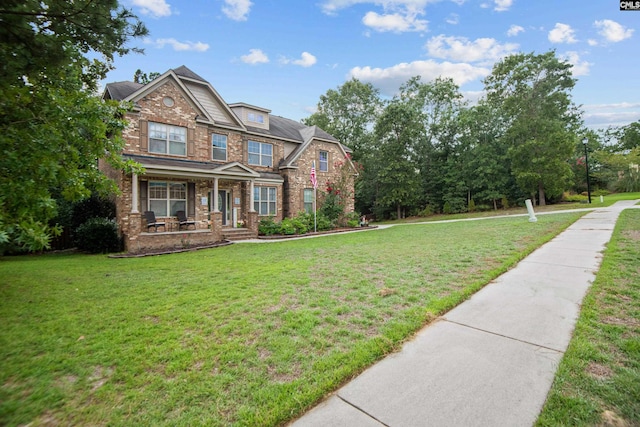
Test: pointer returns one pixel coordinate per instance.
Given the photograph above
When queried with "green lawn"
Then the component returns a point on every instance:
(598, 381)
(608, 200)
(247, 334)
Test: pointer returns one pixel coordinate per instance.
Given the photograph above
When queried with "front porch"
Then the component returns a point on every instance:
(172, 237)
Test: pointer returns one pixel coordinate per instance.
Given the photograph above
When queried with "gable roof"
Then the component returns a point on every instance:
(121, 90)
(183, 71)
(217, 112)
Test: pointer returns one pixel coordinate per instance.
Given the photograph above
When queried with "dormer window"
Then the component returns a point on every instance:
(255, 117)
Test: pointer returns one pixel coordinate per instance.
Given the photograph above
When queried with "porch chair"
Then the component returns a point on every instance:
(150, 216)
(182, 220)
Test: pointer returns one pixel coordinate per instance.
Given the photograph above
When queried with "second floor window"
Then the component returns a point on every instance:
(165, 139)
(219, 147)
(260, 154)
(324, 162)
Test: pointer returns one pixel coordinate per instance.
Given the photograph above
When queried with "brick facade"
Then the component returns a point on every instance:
(165, 102)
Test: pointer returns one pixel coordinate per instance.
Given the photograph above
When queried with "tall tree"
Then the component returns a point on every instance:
(53, 127)
(436, 106)
(349, 113)
(487, 167)
(396, 176)
(534, 94)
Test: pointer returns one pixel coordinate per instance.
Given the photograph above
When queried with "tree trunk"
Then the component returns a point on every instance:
(495, 205)
(541, 198)
(399, 211)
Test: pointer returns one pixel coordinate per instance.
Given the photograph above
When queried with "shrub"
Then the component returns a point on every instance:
(483, 208)
(98, 235)
(353, 219)
(472, 206)
(287, 227)
(575, 198)
(505, 203)
(268, 227)
(446, 209)
(323, 223)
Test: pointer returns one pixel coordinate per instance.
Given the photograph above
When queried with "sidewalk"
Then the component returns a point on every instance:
(491, 360)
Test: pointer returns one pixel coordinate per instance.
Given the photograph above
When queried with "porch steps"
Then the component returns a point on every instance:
(237, 234)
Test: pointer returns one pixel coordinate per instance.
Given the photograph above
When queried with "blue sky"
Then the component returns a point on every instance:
(284, 54)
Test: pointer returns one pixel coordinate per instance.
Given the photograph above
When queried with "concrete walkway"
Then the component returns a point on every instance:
(491, 360)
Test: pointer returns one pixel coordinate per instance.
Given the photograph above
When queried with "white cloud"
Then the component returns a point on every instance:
(388, 80)
(592, 42)
(580, 68)
(453, 19)
(306, 60)
(255, 56)
(514, 30)
(603, 115)
(612, 31)
(156, 8)
(464, 50)
(237, 9)
(179, 46)
(502, 5)
(331, 7)
(395, 22)
(562, 33)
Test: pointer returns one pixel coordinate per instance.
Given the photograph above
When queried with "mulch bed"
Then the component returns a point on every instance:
(316, 233)
(227, 242)
(173, 251)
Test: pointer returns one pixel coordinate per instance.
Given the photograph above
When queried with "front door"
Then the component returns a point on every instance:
(224, 204)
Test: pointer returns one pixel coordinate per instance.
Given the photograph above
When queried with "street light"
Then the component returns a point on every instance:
(586, 161)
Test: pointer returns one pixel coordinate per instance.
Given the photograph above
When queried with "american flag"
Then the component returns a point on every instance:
(314, 180)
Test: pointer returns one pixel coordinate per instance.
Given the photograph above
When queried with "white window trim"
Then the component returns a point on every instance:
(255, 117)
(226, 149)
(168, 139)
(304, 203)
(261, 144)
(258, 201)
(320, 162)
(168, 199)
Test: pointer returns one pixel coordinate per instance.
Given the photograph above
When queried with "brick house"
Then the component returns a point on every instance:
(225, 165)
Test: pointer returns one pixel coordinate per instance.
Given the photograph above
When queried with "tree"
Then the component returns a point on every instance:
(396, 175)
(533, 93)
(349, 114)
(53, 127)
(487, 167)
(436, 106)
(144, 78)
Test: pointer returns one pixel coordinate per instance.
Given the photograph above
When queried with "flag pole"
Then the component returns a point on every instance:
(315, 199)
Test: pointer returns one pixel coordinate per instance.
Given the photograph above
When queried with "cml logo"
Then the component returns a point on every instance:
(629, 5)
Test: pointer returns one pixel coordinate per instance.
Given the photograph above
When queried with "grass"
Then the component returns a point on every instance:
(598, 381)
(608, 200)
(247, 334)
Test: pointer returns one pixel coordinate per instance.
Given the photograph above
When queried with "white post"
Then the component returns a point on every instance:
(216, 208)
(601, 198)
(251, 200)
(315, 194)
(235, 218)
(532, 216)
(134, 193)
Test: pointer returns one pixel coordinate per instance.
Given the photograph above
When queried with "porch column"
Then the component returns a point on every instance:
(134, 193)
(216, 208)
(251, 208)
